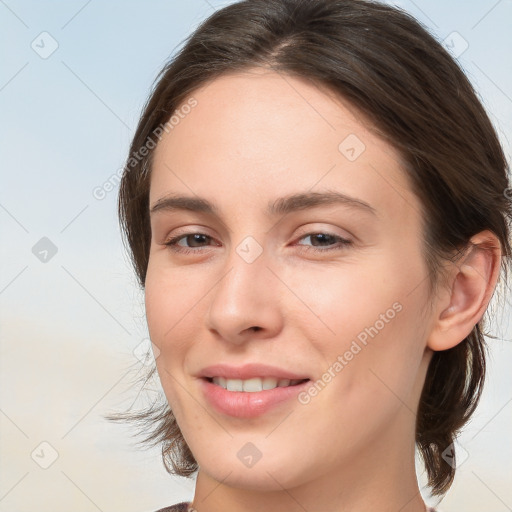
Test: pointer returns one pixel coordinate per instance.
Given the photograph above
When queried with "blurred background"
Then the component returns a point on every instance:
(73, 79)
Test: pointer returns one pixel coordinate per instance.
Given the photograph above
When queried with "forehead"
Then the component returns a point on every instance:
(259, 134)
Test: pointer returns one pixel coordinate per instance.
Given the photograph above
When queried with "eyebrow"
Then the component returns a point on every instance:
(280, 206)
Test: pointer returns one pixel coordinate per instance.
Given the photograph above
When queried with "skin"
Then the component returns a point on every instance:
(254, 137)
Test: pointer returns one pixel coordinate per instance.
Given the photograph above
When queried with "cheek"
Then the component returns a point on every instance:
(163, 314)
(341, 303)
(371, 314)
(168, 301)
(370, 364)
(167, 305)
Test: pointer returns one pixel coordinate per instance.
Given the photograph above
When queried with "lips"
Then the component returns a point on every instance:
(250, 371)
(237, 400)
(254, 384)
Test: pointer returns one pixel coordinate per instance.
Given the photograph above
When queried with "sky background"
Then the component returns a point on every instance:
(74, 76)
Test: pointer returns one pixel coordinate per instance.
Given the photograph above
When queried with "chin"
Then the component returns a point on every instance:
(259, 481)
(262, 476)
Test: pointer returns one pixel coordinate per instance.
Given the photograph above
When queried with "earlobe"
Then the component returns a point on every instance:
(472, 285)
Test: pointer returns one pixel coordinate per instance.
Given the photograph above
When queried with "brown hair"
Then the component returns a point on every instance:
(386, 65)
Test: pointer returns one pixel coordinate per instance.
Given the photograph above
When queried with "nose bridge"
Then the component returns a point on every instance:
(243, 297)
(246, 268)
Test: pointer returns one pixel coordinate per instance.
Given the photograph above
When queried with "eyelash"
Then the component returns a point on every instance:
(172, 243)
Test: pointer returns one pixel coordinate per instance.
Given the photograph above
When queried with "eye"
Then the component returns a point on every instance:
(194, 238)
(326, 240)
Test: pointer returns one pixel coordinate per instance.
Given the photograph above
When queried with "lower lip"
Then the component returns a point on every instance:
(242, 404)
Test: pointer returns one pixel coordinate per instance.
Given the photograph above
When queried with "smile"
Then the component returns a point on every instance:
(249, 398)
(255, 384)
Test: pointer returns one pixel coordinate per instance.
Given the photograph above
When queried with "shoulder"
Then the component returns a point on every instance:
(179, 507)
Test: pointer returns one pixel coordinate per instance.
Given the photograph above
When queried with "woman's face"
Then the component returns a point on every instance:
(336, 288)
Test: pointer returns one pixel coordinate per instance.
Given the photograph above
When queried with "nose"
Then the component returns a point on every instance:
(245, 301)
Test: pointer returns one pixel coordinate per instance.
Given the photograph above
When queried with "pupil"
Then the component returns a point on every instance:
(197, 238)
(323, 237)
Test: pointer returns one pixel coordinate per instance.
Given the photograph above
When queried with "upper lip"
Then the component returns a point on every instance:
(248, 371)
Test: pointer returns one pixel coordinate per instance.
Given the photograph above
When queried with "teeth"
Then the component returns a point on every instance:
(234, 384)
(269, 383)
(253, 385)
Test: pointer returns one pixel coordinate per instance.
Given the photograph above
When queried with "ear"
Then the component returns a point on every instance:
(470, 288)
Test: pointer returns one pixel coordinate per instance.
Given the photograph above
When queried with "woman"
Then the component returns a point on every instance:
(317, 208)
